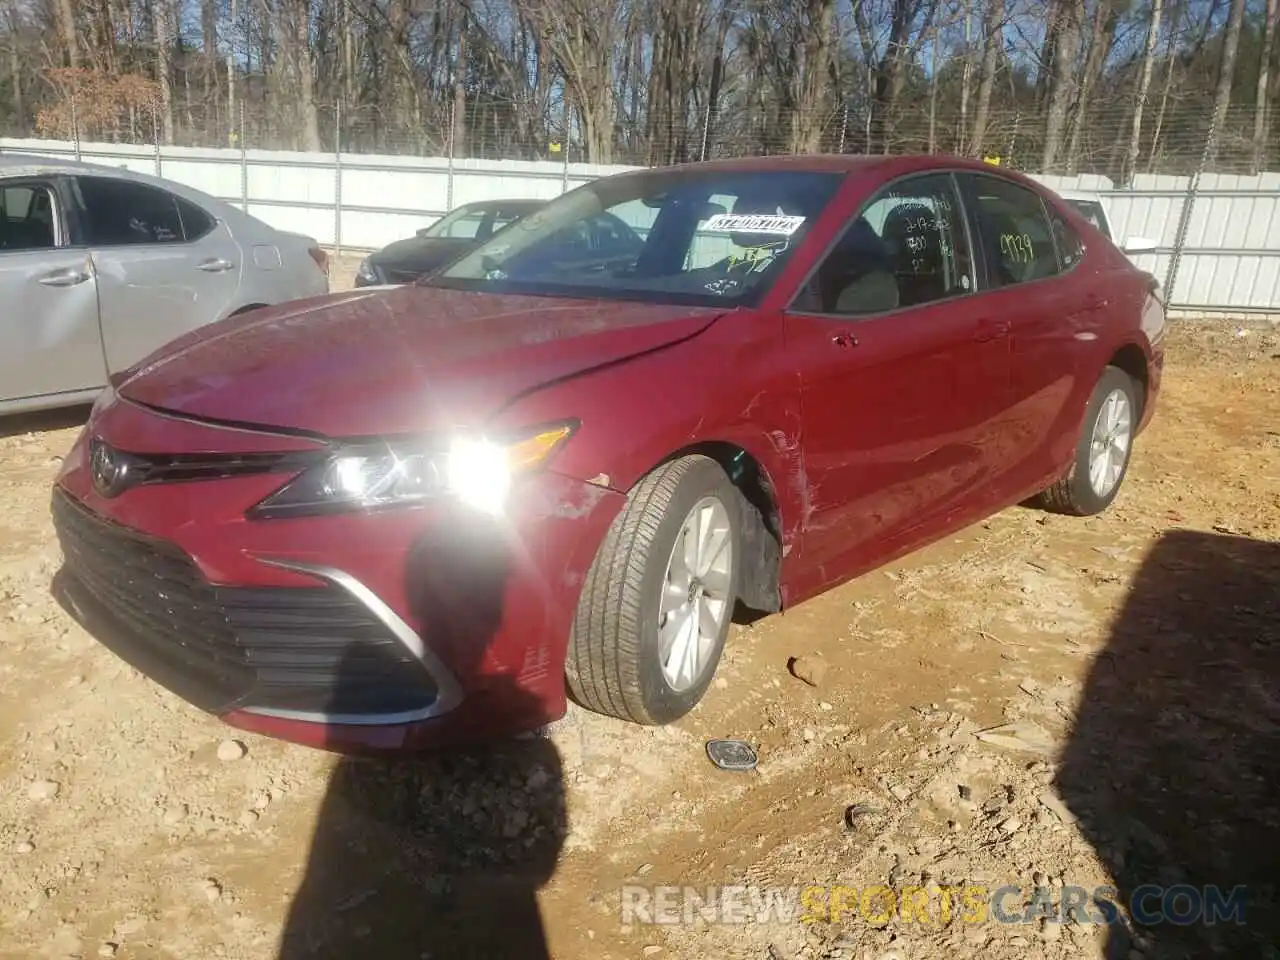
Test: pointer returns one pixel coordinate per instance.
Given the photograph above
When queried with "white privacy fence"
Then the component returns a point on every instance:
(1224, 237)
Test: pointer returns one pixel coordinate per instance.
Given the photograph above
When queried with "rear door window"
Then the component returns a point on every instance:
(1092, 211)
(124, 213)
(1015, 231)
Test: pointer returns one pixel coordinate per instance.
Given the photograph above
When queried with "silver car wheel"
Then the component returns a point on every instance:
(1109, 447)
(696, 593)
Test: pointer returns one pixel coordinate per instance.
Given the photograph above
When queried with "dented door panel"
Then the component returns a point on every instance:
(50, 342)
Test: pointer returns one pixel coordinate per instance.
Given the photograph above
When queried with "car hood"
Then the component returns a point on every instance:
(382, 362)
(420, 254)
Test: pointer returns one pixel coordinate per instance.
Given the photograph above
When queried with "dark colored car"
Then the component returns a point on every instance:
(458, 231)
(389, 521)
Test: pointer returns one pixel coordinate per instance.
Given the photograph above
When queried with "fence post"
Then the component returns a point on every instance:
(448, 187)
(75, 126)
(155, 136)
(244, 165)
(564, 145)
(1188, 203)
(337, 180)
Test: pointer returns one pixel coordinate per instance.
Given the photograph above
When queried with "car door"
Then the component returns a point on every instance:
(165, 266)
(49, 338)
(1036, 288)
(900, 378)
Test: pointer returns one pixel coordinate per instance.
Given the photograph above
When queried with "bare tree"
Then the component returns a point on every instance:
(581, 35)
(162, 24)
(1144, 87)
(1262, 105)
(1227, 71)
(992, 47)
(1067, 17)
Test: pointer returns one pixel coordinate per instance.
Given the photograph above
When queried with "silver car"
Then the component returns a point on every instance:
(100, 266)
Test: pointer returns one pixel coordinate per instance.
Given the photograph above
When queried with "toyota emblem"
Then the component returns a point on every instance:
(108, 469)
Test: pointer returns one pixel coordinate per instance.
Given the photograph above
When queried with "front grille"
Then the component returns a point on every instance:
(312, 649)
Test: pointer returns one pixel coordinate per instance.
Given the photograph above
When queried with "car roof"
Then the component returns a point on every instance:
(507, 202)
(39, 165)
(1079, 195)
(887, 166)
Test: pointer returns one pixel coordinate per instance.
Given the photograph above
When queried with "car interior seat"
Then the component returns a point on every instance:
(857, 276)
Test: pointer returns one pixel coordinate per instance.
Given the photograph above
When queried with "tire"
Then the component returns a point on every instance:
(1075, 494)
(615, 659)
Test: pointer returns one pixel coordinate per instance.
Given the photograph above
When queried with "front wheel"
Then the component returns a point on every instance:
(658, 600)
(1103, 451)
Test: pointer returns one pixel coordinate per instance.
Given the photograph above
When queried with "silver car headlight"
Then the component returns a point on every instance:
(367, 273)
(478, 471)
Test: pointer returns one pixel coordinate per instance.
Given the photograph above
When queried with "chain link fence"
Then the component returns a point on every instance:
(1199, 189)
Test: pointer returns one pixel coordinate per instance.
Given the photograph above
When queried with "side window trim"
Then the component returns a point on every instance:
(974, 176)
(1051, 214)
(61, 234)
(975, 287)
(187, 236)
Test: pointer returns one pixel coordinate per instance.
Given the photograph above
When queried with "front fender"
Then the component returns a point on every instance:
(720, 387)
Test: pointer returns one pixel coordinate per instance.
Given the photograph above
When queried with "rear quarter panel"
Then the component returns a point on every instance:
(277, 266)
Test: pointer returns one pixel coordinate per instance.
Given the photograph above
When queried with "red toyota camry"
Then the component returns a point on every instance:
(392, 519)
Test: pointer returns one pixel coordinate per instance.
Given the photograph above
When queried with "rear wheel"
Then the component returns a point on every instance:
(659, 596)
(1103, 451)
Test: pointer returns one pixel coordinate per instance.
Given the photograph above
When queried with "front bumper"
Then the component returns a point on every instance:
(393, 630)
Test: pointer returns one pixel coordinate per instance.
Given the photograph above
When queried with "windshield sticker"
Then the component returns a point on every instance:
(722, 286)
(755, 223)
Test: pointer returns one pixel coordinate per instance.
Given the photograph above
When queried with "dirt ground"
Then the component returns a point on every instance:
(1040, 702)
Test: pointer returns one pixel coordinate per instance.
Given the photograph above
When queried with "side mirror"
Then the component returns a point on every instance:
(422, 232)
(1139, 245)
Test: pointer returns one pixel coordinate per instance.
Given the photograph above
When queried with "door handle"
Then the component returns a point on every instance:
(64, 278)
(216, 265)
(989, 330)
(845, 340)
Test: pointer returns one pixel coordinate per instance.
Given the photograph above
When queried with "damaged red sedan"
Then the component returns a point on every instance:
(391, 519)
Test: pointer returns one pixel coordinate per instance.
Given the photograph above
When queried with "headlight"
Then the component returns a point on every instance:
(367, 273)
(478, 471)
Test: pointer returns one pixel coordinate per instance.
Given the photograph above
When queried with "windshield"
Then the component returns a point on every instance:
(1091, 210)
(463, 223)
(711, 237)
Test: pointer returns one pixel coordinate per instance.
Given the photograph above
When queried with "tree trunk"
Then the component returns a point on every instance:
(310, 116)
(66, 17)
(1168, 89)
(993, 46)
(15, 71)
(1262, 106)
(1144, 88)
(233, 118)
(458, 142)
(1065, 46)
(209, 29)
(933, 92)
(1104, 24)
(160, 21)
(1227, 72)
(807, 116)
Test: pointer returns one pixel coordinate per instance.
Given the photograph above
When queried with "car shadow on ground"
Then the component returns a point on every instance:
(1173, 767)
(19, 423)
(440, 855)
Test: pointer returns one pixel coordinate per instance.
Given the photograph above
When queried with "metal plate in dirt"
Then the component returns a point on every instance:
(732, 754)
